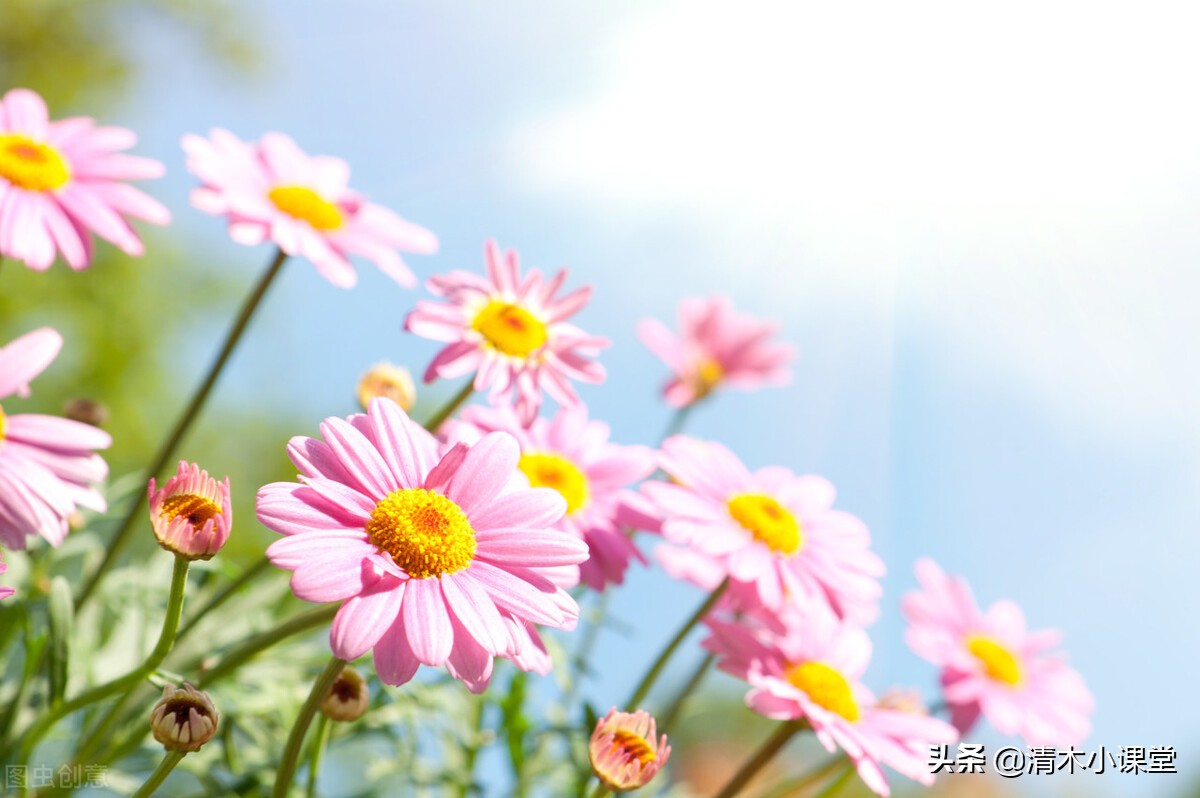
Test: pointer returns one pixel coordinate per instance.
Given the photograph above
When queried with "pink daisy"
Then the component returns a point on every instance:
(61, 181)
(273, 190)
(992, 665)
(772, 533)
(716, 346)
(813, 672)
(428, 554)
(48, 465)
(5, 592)
(573, 456)
(511, 332)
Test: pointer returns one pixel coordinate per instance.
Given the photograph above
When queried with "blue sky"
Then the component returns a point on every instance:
(978, 227)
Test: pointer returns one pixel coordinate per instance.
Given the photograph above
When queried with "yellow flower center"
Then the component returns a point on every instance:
(307, 206)
(633, 746)
(196, 509)
(1000, 663)
(510, 328)
(546, 470)
(768, 521)
(826, 687)
(30, 164)
(426, 533)
(3, 423)
(707, 377)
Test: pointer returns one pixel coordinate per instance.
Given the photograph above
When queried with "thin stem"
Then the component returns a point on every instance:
(591, 634)
(318, 751)
(840, 782)
(260, 565)
(648, 680)
(678, 419)
(792, 787)
(291, 753)
(250, 647)
(160, 774)
(472, 752)
(668, 716)
(103, 728)
(601, 791)
(124, 683)
(236, 657)
(184, 423)
(762, 756)
(448, 409)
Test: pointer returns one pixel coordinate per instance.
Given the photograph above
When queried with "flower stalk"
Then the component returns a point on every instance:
(291, 753)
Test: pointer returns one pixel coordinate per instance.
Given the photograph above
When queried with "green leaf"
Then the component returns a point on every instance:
(62, 620)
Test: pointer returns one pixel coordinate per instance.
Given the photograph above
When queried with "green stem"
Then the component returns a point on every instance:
(234, 659)
(792, 787)
(225, 594)
(762, 756)
(472, 752)
(318, 751)
(291, 753)
(448, 409)
(591, 634)
(668, 716)
(184, 423)
(124, 683)
(601, 791)
(261, 642)
(652, 675)
(160, 774)
(840, 782)
(678, 419)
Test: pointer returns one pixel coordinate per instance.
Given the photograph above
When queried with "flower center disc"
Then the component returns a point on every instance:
(768, 521)
(307, 206)
(707, 377)
(633, 746)
(547, 470)
(425, 533)
(196, 509)
(31, 165)
(3, 423)
(826, 687)
(510, 328)
(998, 661)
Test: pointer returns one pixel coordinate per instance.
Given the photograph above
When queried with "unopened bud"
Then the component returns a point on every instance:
(902, 700)
(184, 718)
(623, 751)
(87, 411)
(191, 514)
(348, 698)
(391, 381)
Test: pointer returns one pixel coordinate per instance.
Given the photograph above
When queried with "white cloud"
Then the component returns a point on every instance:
(1019, 177)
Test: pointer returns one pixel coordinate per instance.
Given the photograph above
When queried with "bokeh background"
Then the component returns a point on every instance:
(976, 222)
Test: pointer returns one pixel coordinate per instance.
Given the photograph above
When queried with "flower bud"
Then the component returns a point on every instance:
(86, 411)
(386, 379)
(902, 700)
(348, 698)
(623, 750)
(184, 718)
(192, 513)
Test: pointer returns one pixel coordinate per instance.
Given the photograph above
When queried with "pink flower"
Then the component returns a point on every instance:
(429, 554)
(48, 465)
(716, 346)
(61, 181)
(624, 752)
(5, 592)
(273, 190)
(992, 665)
(510, 331)
(573, 456)
(772, 533)
(192, 513)
(813, 672)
